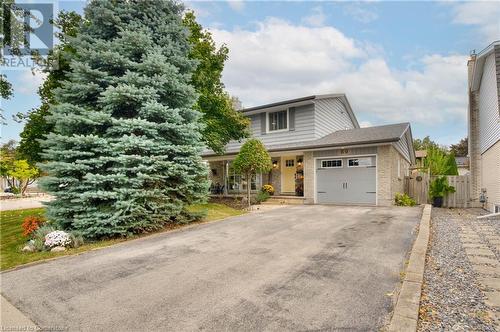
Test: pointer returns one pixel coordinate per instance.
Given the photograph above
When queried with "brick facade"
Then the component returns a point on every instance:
(473, 136)
(389, 181)
(308, 178)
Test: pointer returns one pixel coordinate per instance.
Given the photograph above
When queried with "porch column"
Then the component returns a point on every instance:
(226, 176)
(308, 177)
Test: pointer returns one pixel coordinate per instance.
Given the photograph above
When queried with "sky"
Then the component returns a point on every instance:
(395, 61)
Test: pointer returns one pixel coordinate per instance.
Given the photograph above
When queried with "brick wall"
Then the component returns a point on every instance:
(473, 134)
(308, 178)
(389, 181)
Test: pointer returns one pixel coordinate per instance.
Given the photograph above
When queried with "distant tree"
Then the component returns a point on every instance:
(425, 144)
(18, 172)
(124, 155)
(7, 157)
(20, 175)
(253, 158)
(37, 127)
(222, 122)
(13, 38)
(461, 149)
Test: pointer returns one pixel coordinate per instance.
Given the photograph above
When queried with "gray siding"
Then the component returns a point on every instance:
(497, 62)
(331, 115)
(303, 129)
(403, 147)
(351, 152)
(489, 122)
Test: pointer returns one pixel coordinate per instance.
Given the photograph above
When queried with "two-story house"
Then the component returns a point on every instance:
(484, 126)
(320, 153)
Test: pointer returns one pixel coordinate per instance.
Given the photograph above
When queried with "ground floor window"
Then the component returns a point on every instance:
(238, 184)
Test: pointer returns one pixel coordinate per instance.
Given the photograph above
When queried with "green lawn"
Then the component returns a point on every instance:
(12, 240)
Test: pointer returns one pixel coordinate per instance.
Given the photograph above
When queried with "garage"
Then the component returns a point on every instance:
(346, 180)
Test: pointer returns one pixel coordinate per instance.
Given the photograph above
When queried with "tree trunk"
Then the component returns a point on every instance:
(23, 185)
(249, 180)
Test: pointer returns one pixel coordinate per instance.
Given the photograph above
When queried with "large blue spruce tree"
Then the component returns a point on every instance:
(124, 156)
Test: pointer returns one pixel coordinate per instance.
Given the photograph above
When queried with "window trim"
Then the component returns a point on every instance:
(333, 159)
(349, 166)
(268, 131)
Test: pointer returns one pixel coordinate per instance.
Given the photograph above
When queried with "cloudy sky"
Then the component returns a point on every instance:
(395, 61)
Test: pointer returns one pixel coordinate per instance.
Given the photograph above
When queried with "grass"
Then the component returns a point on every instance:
(12, 240)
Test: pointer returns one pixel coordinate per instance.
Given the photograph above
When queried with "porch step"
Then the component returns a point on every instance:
(284, 200)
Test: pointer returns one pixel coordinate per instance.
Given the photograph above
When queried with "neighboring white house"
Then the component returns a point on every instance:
(320, 154)
(484, 126)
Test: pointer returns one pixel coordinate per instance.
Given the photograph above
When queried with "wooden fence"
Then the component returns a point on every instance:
(417, 187)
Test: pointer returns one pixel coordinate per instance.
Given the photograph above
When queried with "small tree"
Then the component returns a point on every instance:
(440, 163)
(253, 158)
(22, 174)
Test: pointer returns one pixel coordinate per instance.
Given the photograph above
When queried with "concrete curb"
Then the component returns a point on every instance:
(405, 316)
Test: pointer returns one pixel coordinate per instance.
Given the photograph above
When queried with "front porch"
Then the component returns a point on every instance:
(286, 177)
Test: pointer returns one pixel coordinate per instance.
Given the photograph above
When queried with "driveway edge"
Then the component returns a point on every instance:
(12, 319)
(405, 316)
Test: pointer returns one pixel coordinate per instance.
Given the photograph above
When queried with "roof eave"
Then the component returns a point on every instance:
(477, 71)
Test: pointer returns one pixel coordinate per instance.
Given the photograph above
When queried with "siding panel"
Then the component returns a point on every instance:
(403, 147)
(331, 115)
(489, 122)
(303, 129)
(351, 152)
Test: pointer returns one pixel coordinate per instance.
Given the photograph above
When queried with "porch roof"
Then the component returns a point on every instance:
(341, 138)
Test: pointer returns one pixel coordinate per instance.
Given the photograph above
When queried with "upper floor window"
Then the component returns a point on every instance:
(278, 120)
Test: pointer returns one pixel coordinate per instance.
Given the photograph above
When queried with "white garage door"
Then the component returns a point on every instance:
(346, 180)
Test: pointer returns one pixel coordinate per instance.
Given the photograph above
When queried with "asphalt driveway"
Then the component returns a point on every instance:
(292, 268)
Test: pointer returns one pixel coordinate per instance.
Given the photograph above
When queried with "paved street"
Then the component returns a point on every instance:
(291, 268)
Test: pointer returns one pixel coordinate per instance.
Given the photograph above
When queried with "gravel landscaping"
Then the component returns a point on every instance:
(452, 299)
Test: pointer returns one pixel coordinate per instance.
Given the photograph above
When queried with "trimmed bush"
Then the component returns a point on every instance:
(31, 224)
(404, 200)
(268, 188)
(262, 197)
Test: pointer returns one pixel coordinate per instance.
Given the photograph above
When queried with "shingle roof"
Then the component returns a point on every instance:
(349, 137)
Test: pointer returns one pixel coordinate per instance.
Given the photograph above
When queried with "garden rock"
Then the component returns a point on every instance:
(57, 249)
(28, 248)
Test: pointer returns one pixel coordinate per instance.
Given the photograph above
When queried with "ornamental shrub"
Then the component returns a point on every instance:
(57, 238)
(268, 189)
(262, 196)
(31, 224)
(404, 200)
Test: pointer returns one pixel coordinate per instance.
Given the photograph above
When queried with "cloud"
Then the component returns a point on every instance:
(364, 124)
(237, 5)
(280, 60)
(316, 19)
(360, 13)
(484, 15)
(27, 83)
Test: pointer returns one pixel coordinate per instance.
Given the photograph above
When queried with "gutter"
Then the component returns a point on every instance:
(315, 147)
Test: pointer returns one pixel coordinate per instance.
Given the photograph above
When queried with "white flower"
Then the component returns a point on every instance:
(57, 238)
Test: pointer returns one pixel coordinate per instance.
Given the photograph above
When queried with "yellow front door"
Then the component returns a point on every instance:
(288, 167)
